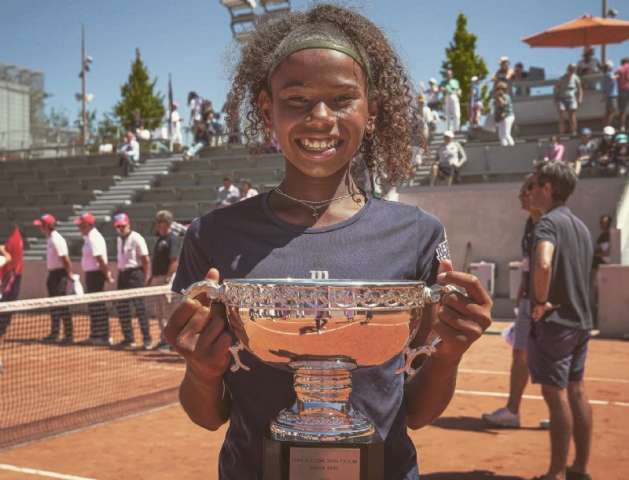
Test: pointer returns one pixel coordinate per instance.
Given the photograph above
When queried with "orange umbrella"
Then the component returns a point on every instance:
(584, 31)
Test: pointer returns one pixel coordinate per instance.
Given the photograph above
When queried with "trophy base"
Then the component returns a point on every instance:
(351, 427)
(284, 460)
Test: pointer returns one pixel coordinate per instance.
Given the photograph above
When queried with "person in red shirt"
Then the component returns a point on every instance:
(10, 273)
(623, 92)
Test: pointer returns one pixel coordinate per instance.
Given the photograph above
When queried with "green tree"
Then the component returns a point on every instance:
(462, 59)
(140, 103)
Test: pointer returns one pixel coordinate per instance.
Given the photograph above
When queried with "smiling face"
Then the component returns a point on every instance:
(318, 110)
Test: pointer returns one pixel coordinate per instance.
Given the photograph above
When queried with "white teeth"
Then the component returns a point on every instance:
(318, 145)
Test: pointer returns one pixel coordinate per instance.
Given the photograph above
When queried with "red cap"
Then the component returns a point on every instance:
(45, 219)
(121, 219)
(86, 217)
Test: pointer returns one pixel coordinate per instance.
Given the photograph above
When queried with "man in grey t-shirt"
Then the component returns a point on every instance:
(561, 259)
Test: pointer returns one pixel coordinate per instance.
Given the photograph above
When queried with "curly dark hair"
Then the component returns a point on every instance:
(387, 152)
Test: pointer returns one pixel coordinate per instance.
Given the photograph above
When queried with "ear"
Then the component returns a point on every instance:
(265, 105)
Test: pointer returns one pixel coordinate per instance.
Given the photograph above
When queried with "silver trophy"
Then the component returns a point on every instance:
(322, 330)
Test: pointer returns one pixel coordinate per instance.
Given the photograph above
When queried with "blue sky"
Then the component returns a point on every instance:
(190, 39)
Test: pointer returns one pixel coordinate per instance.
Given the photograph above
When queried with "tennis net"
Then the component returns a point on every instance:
(68, 362)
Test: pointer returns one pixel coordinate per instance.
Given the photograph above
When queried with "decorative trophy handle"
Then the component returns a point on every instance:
(432, 295)
(216, 292)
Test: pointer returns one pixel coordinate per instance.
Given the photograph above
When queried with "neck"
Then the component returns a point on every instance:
(304, 187)
(314, 189)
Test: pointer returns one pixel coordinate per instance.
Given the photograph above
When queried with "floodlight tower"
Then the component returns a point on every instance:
(86, 62)
(244, 17)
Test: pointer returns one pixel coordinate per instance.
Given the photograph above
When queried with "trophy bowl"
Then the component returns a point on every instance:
(322, 330)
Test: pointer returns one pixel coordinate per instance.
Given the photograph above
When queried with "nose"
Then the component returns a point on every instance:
(322, 114)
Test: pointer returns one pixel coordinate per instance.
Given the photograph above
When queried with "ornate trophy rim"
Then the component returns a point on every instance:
(321, 295)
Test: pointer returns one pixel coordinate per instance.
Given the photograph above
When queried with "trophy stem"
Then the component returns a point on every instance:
(322, 411)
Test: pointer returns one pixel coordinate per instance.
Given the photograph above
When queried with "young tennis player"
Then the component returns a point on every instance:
(329, 88)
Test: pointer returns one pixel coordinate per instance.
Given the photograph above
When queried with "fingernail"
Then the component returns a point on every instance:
(441, 277)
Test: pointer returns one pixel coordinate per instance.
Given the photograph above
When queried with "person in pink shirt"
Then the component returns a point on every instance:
(623, 92)
(555, 150)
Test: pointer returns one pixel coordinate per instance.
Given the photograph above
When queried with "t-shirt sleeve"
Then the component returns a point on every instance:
(194, 262)
(61, 247)
(175, 247)
(141, 246)
(433, 248)
(545, 230)
(99, 247)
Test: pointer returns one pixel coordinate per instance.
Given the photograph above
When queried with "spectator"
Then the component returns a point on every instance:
(568, 96)
(428, 117)
(504, 74)
(452, 108)
(604, 153)
(623, 92)
(11, 253)
(562, 317)
(602, 256)
(621, 152)
(59, 273)
(588, 65)
(476, 103)
(133, 269)
(585, 150)
(503, 114)
(519, 74)
(602, 250)
(175, 127)
(509, 416)
(555, 150)
(129, 154)
(217, 130)
(194, 104)
(450, 159)
(432, 96)
(610, 90)
(228, 193)
(163, 267)
(96, 269)
(246, 189)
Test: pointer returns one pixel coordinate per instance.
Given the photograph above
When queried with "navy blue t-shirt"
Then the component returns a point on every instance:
(383, 241)
(572, 264)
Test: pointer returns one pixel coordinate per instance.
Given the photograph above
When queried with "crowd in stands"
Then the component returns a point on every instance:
(443, 100)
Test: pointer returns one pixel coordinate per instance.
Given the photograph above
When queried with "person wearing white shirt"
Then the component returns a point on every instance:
(59, 273)
(129, 154)
(247, 190)
(134, 268)
(228, 193)
(450, 159)
(175, 127)
(96, 269)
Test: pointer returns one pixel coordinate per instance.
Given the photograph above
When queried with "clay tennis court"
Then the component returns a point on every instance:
(164, 444)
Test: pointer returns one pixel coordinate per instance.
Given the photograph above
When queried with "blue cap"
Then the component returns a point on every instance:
(586, 131)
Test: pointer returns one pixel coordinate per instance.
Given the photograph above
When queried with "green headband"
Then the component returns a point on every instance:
(314, 36)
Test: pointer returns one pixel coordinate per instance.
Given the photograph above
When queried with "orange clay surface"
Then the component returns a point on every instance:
(164, 444)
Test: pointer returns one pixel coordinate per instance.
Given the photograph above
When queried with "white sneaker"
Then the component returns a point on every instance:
(503, 417)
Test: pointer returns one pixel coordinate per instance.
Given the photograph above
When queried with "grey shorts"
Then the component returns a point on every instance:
(522, 326)
(556, 354)
(567, 103)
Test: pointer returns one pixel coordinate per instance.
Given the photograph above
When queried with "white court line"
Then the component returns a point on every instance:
(498, 372)
(41, 473)
(534, 397)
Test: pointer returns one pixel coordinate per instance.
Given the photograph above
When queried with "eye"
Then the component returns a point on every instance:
(297, 101)
(343, 100)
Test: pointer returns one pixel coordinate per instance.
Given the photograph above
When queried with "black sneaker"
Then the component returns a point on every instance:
(67, 341)
(50, 338)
